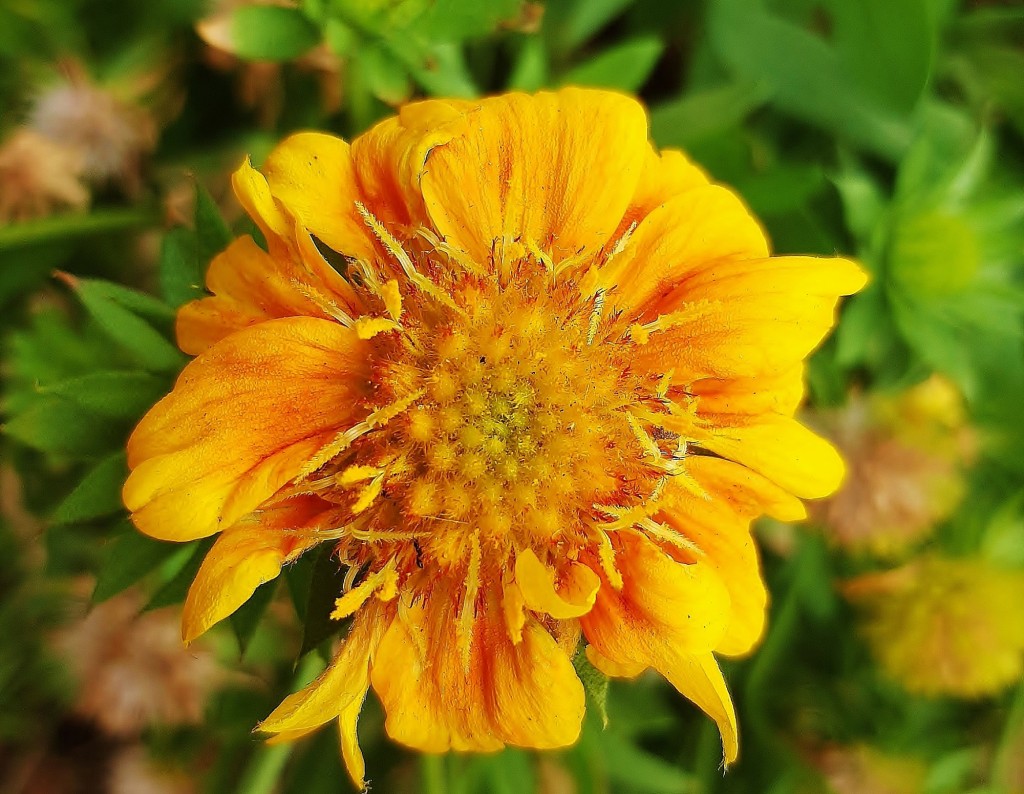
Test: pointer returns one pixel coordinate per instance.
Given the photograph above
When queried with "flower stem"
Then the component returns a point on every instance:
(433, 773)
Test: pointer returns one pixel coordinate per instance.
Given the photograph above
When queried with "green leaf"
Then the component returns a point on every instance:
(122, 325)
(212, 231)
(696, 117)
(181, 267)
(98, 494)
(886, 46)
(441, 69)
(127, 558)
(271, 33)
(246, 619)
(457, 20)
(625, 66)
(181, 570)
(569, 23)
(124, 395)
(386, 77)
(629, 765)
(805, 74)
(59, 427)
(325, 588)
(530, 71)
(70, 227)
(138, 302)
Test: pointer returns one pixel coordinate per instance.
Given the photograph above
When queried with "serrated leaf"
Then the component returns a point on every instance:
(271, 33)
(595, 684)
(60, 427)
(98, 494)
(625, 66)
(246, 619)
(119, 395)
(325, 587)
(121, 324)
(127, 558)
(180, 577)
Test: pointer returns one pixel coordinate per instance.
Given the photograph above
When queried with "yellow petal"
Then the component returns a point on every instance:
(344, 682)
(778, 447)
(383, 582)
(244, 557)
(537, 583)
(774, 392)
(348, 738)
(242, 420)
(554, 172)
(254, 195)
(699, 679)
(688, 233)
(313, 175)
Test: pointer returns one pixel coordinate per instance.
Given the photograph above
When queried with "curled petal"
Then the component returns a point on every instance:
(575, 597)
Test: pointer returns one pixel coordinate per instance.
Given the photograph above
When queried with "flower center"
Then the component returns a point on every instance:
(518, 420)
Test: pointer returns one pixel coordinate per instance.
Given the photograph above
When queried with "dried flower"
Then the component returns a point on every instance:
(865, 770)
(133, 671)
(38, 177)
(905, 458)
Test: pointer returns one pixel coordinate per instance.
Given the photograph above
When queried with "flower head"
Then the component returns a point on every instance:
(543, 396)
(38, 177)
(942, 626)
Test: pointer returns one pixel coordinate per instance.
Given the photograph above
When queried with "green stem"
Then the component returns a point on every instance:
(65, 227)
(433, 773)
(264, 771)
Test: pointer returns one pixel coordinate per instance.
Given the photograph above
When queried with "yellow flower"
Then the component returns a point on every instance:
(545, 398)
(945, 626)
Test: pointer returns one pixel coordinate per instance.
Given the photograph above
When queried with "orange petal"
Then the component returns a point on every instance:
(536, 581)
(526, 694)
(690, 232)
(244, 557)
(668, 616)
(662, 602)
(554, 171)
(389, 158)
(775, 392)
(241, 422)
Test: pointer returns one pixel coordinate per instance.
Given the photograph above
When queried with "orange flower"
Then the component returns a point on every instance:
(545, 397)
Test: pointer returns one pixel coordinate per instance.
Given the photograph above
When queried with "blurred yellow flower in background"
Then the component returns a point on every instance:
(542, 397)
(944, 626)
(905, 456)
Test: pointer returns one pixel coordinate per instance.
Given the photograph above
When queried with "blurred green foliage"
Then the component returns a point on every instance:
(887, 129)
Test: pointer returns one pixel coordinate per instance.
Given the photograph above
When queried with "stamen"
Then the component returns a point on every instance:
(395, 249)
(322, 302)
